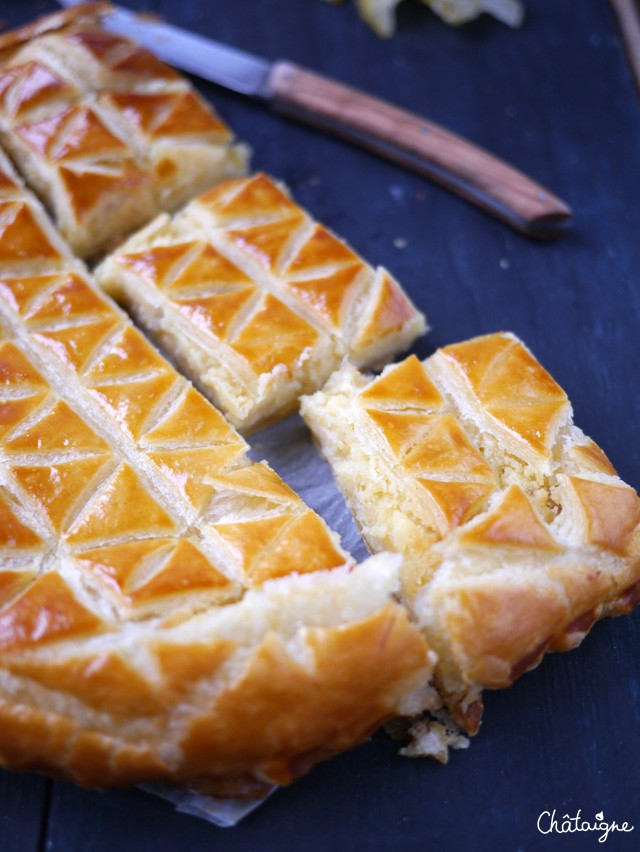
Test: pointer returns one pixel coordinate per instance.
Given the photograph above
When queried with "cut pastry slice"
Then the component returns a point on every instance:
(106, 133)
(257, 301)
(169, 610)
(516, 531)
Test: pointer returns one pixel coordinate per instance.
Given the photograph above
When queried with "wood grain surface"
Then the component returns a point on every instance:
(557, 99)
(419, 144)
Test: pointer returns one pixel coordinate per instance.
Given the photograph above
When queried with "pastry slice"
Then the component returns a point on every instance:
(516, 532)
(169, 610)
(105, 133)
(256, 301)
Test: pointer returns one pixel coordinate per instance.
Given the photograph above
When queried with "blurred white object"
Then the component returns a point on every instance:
(380, 14)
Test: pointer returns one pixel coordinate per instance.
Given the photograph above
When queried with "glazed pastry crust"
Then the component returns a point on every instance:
(106, 133)
(257, 302)
(516, 531)
(169, 610)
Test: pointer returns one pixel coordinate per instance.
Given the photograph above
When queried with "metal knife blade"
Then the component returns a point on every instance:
(234, 69)
(377, 125)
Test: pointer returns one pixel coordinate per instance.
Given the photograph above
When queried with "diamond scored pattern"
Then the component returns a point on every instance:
(54, 460)
(84, 131)
(306, 262)
(513, 523)
(126, 62)
(131, 381)
(264, 546)
(89, 162)
(24, 88)
(283, 293)
(533, 547)
(322, 275)
(58, 488)
(142, 572)
(428, 443)
(114, 532)
(124, 506)
(127, 502)
(47, 611)
(99, 45)
(275, 338)
(21, 236)
(196, 420)
(206, 269)
(69, 318)
(60, 430)
(190, 468)
(108, 128)
(158, 116)
(247, 200)
(14, 534)
(612, 512)
(22, 388)
(513, 388)
(225, 304)
(267, 244)
(508, 383)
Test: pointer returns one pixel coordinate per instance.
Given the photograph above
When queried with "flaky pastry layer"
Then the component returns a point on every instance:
(516, 531)
(257, 301)
(169, 610)
(105, 133)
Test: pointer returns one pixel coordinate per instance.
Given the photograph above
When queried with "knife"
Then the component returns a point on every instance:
(394, 133)
(628, 14)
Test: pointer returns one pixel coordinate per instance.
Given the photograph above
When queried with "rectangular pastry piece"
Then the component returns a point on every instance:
(104, 132)
(257, 301)
(516, 531)
(169, 610)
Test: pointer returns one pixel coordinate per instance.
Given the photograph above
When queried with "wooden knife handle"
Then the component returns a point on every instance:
(425, 147)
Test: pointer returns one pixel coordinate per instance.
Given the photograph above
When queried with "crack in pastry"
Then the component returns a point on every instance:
(255, 300)
(104, 131)
(516, 532)
(169, 610)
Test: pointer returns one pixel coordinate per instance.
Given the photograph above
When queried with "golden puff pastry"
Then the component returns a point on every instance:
(516, 531)
(104, 132)
(257, 301)
(169, 611)
(29, 243)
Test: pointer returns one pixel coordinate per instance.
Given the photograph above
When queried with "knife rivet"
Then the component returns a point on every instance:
(424, 130)
(542, 196)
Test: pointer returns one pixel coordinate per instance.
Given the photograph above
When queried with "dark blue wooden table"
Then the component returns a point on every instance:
(557, 99)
